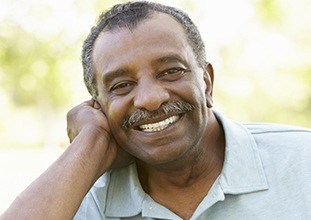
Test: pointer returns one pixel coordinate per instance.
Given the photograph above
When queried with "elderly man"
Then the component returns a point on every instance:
(149, 146)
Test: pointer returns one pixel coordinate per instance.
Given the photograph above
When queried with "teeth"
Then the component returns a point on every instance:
(159, 126)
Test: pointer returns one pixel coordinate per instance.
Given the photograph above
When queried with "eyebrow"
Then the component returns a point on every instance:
(169, 58)
(111, 75)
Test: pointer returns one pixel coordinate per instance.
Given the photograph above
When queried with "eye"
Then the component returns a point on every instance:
(172, 74)
(122, 88)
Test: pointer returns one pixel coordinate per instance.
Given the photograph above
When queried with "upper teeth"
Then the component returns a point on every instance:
(158, 126)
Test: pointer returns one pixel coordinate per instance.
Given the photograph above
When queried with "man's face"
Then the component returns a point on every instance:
(145, 69)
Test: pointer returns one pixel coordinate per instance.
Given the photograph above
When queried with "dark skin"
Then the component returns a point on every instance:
(155, 65)
(183, 188)
(191, 152)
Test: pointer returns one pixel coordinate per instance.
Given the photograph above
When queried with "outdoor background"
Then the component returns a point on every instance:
(260, 50)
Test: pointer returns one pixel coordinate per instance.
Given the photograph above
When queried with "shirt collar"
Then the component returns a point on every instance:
(125, 195)
(126, 198)
(242, 173)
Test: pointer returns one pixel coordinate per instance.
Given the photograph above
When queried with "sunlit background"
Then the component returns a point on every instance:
(260, 50)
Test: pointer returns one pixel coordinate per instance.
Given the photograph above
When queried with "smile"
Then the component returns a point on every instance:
(159, 126)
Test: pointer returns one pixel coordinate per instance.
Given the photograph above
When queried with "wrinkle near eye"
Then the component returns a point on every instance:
(173, 74)
(122, 88)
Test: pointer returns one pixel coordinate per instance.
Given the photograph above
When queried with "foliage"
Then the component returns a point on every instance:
(262, 69)
(31, 67)
(266, 72)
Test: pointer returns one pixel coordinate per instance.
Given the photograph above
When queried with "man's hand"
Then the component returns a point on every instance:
(86, 115)
(88, 118)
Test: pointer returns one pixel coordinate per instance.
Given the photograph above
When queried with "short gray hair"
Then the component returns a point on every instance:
(129, 15)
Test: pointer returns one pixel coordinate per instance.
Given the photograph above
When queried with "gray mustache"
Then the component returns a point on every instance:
(139, 115)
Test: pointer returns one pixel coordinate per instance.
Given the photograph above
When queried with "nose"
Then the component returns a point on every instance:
(150, 95)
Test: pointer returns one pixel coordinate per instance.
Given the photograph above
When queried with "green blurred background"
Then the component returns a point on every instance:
(260, 50)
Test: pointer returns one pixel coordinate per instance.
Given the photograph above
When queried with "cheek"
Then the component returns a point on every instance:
(200, 89)
(193, 91)
(117, 111)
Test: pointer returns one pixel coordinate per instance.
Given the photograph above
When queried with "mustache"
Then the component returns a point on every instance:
(139, 115)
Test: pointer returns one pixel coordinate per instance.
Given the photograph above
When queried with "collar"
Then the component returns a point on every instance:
(242, 173)
(125, 195)
(126, 198)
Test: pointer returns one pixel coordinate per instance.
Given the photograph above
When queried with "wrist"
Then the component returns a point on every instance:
(91, 146)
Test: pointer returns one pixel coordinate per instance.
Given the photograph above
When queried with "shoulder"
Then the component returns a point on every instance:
(282, 146)
(268, 134)
(266, 128)
(265, 133)
(285, 154)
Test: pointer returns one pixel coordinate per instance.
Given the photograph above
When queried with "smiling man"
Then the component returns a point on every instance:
(157, 100)
(149, 146)
(155, 94)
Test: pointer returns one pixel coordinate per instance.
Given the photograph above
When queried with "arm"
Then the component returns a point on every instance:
(58, 192)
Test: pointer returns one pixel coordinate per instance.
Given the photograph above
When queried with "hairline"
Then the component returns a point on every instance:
(181, 17)
(119, 28)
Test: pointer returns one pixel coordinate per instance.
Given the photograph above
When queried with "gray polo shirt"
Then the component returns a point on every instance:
(266, 175)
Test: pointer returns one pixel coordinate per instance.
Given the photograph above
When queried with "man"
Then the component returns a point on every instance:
(149, 146)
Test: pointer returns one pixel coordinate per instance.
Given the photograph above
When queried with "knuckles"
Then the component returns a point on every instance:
(73, 121)
(83, 115)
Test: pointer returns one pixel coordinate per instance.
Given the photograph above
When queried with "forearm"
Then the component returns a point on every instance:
(58, 192)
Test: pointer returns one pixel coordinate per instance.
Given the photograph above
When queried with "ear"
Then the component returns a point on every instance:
(209, 82)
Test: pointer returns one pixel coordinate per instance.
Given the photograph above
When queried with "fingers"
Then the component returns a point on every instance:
(89, 102)
(72, 125)
(70, 135)
(87, 113)
(92, 103)
(96, 105)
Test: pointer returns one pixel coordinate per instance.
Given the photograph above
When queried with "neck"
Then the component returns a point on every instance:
(188, 180)
(201, 161)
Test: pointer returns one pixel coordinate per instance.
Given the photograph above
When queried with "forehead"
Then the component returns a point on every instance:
(152, 38)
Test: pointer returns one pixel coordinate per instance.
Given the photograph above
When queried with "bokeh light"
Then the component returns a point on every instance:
(260, 50)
